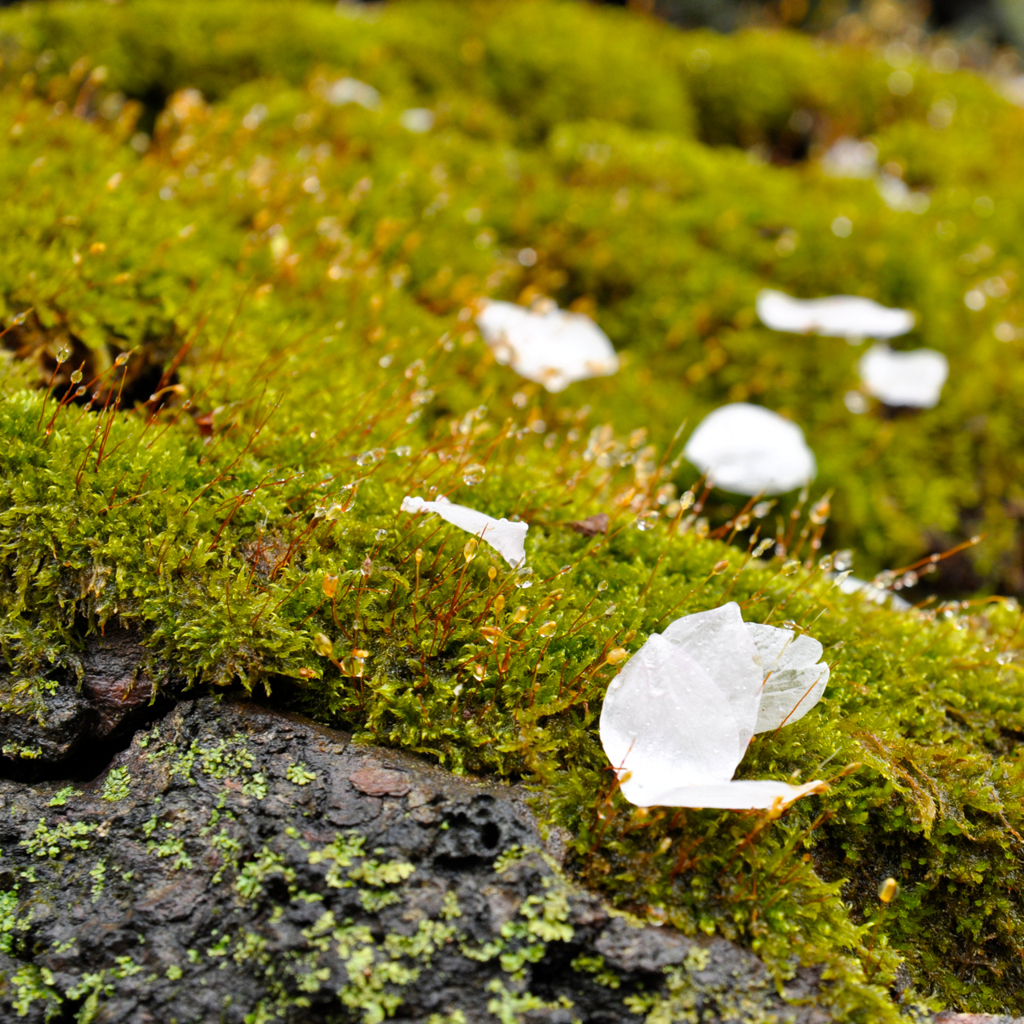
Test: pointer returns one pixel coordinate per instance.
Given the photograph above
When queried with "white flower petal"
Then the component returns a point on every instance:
(550, 345)
(840, 316)
(719, 642)
(351, 90)
(417, 119)
(850, 158)
(750, 450)
(795, 677)
(508, 539)
(665, 725)
(904, 378)
(739, 795)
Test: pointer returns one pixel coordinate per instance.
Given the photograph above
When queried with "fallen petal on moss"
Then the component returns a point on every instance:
(839, 316)
(795, 678)
(546, 344)
(912, 379)
(751, 450)
(678, 718)
(351, 90)
(508, 539)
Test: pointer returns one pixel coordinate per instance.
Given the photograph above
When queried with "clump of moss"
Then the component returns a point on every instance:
(303, 277)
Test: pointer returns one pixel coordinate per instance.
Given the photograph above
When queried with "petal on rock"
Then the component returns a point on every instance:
(508, 539)
(719, 642)
(796, 678)
(665, 725)
(741, 795)
(548, 345)
(904, 378)
(839, 316)
(751, 450)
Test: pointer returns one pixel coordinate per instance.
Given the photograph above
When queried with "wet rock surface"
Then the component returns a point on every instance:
(238, 865)
(77, 726)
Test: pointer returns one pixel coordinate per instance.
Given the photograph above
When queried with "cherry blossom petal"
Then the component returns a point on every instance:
(546, 344)
(850, 158)
(904, 378)
(718, 640)
(751, 450)
(840, 316)
(665, 725)
(796, 679)
(351, 90)
(508, 539)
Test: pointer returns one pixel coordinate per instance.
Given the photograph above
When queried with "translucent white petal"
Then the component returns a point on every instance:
(351, 90)
(795, 678)
(840, 316)
(850, 158)
(751, 450)
(904, 378)
(548, 345)
(417, 119)
(739, 795)
(718, 641)
(665, 725)
(508, 539)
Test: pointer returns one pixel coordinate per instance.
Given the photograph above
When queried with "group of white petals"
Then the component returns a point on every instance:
(740, 447)
(678, 718)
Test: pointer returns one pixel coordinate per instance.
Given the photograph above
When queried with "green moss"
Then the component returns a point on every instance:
(307, 274)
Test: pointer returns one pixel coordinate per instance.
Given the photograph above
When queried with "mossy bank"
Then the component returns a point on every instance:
(239, 324)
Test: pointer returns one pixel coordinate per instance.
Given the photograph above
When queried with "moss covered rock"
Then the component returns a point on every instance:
(239, 331)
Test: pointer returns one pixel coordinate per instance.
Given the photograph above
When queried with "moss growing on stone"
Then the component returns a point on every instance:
(271, 310)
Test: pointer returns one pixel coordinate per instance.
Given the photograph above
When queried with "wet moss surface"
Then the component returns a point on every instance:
(239, 330)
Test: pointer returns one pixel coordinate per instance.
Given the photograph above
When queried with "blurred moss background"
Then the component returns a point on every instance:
(660, 179)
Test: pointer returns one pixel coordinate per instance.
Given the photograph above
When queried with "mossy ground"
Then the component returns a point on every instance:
(295, 280)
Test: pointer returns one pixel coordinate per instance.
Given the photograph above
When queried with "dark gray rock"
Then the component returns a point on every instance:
(234, 865)
(103, 695)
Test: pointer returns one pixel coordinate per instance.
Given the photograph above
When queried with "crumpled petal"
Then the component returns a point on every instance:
(666, 725)
(718, 640)
(548, 345)
(796, 679)
(904, 378)
(839, 316)
(751, 450)
(677, 719)
(508, 539)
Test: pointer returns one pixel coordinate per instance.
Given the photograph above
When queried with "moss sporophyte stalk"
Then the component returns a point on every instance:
(269, 299)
